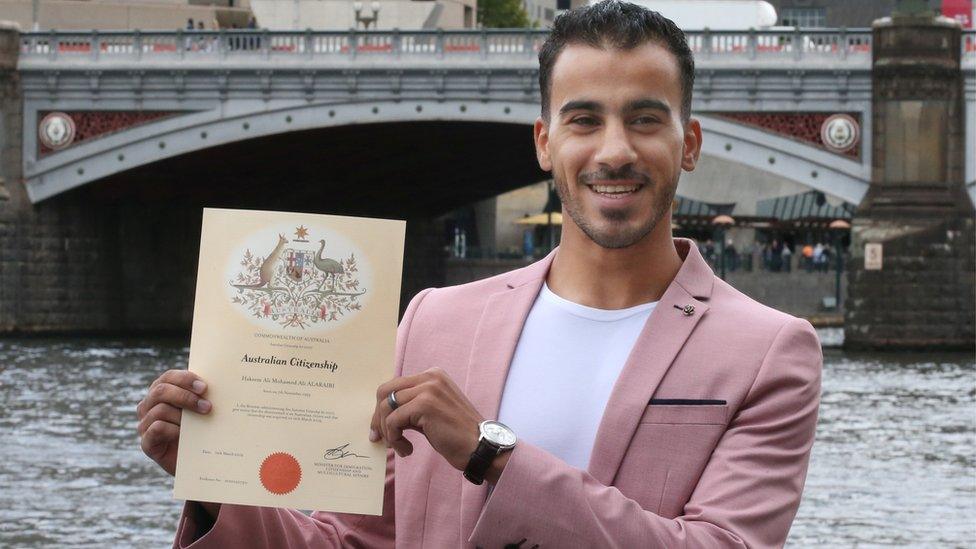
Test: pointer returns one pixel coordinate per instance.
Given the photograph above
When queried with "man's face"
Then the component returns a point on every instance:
(615, 141)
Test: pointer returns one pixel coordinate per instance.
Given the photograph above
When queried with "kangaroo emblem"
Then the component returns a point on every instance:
(267, 269)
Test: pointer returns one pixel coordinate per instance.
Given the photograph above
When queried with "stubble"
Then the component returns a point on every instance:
(617, 234)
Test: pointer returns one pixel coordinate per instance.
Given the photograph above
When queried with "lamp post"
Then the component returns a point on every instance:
(837, 228)
(721, 223)
(366, 20)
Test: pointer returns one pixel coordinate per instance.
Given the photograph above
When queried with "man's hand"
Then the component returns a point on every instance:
(432, 404)
(161, 410)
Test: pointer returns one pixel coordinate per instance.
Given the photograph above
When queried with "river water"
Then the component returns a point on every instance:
(894, 463)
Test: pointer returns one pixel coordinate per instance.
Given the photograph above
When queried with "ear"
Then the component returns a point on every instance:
(541, 135)
(692, 145)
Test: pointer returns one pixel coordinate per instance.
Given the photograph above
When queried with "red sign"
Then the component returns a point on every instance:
(960, 10)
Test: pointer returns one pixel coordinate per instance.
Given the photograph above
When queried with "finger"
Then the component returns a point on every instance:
(403, 447)
(176, 396)
(383, 408)
(163, 412)
(396, 384)
(374, 425)
(431, 379)
(380, 411)
(182, 378)
(396, 422)
(158, 437)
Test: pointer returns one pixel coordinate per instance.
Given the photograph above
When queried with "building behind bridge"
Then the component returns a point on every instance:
(218, 14)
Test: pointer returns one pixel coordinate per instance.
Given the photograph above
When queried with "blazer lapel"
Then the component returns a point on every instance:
(656, 347)
(491, 354)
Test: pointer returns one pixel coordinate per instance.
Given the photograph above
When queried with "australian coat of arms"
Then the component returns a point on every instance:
(296, 284)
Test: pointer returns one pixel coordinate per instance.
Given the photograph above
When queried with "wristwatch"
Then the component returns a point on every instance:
(495, 438)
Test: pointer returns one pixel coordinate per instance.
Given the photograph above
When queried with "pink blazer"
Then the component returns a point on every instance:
(665, 471)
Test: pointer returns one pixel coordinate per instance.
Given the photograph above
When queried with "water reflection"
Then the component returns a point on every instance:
(893, 464)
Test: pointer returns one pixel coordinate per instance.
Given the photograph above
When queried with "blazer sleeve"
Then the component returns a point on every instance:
(747, 495)
(243, 525)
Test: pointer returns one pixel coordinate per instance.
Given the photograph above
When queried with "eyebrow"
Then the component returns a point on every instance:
(636, 105)
(581, 105)
(651, 104)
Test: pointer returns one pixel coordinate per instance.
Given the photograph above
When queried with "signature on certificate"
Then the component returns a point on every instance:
(340, 452)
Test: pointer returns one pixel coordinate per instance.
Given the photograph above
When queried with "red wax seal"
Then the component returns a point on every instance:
(280, 473)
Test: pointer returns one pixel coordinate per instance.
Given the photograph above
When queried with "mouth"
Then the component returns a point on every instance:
(616, 191)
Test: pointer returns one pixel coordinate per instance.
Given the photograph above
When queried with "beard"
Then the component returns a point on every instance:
(615, 233)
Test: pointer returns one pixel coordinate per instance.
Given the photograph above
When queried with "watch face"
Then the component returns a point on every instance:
(498, 433)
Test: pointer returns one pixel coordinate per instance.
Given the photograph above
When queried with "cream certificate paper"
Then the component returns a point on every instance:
(294, 328)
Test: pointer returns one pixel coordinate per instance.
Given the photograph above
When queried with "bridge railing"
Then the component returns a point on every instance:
(796, 44)
(478, 43)
(239, 43)
(793, 43)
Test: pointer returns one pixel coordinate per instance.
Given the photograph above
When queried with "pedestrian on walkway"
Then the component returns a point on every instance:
(818, 257)
(807, 257)
(776, 256)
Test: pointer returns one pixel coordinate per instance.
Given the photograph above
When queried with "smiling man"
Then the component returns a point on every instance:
(614, 394)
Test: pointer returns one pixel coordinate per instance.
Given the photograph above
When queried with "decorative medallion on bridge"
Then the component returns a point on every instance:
(311, 280)
(802, 126)
(840, 133)
(88, 125)
(56, 131)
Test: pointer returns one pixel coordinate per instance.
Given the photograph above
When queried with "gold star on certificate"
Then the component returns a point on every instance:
(301, 232)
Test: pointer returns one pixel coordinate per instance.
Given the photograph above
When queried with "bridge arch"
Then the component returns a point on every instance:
(195, 131)
(175, 136)
(790, 159)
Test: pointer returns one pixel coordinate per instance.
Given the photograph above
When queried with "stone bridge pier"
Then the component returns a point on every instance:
(911, 278)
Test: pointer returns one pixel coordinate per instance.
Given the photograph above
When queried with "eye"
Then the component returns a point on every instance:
(584, 121)
(646, 119)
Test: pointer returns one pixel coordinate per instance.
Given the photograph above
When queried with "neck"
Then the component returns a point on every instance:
(588, 274)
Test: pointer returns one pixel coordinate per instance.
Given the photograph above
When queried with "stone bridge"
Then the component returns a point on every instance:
(112, 142)
(139, 98)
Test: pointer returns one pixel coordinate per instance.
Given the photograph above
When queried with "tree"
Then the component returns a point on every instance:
(507, 14)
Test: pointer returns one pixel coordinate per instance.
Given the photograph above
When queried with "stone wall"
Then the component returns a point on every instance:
(56, 266)
(78, 264)
(923, 298)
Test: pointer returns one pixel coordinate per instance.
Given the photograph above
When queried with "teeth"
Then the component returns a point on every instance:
(612, 189)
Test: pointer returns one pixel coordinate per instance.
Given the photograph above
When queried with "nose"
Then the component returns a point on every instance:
(616, 150)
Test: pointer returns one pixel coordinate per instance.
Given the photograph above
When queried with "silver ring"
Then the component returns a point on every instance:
(391, 400)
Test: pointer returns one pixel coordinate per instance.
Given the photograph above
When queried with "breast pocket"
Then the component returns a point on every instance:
(668, 452)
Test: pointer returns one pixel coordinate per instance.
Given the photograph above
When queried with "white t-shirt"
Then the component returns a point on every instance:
(565, 365)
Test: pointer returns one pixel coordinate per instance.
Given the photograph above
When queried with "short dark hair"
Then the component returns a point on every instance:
(619, 25)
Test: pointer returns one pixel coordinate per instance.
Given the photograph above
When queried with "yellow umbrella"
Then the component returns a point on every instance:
(541, 219)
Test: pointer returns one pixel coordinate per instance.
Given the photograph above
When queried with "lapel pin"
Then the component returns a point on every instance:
(688, 310)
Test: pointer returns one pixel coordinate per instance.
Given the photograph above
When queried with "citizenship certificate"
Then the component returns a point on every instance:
(294, 328)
